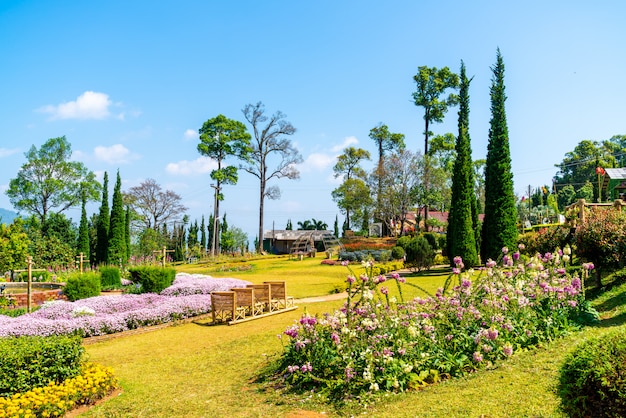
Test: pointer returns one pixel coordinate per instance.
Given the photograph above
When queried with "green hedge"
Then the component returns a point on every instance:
(110, 277)
(152, 279)
(38, 276)
(592, 380)
(81, 286)
(30, 362)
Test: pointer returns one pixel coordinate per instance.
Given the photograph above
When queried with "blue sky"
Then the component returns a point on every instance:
(129, 83)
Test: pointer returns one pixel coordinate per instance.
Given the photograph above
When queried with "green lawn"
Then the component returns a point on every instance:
(194, 370)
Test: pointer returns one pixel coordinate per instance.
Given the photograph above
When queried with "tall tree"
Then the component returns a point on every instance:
(49, 181)
(353, 199)
(385, 142)
(102, 227)
(461, 238)
(222, 138)
(83, 231)
(270, 139)
(432, 84)
(155, 206)
(203, 236)
(117, 226)
(499, 228)
(348, 196)
(127, 232)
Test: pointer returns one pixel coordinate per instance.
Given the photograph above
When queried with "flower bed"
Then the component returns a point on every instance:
(377, 342)
(188, 296)
(54, 400)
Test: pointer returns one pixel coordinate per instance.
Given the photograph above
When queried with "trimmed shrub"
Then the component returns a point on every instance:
(81, 286)
(419, 254)
(30, 362)
(152, 279)
(592, 380)
(110, 277)
(432, 240)
(397, 253)
(442, 242)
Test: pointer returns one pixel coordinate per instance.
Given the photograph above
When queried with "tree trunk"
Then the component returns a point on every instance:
(261, 202)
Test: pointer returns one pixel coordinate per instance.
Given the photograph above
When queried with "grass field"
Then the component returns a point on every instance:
(194, 370)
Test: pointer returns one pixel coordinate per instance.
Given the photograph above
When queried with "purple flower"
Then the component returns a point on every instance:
(492, 334)
(384, 290)
(505, 250)
(478, 357)
(350, 279)
(507, 349)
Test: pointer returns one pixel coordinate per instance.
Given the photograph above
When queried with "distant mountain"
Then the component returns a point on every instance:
(7, 216)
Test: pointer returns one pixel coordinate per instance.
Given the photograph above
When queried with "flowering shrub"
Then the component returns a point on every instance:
(54, 400)
(188, 296)
(376, 342)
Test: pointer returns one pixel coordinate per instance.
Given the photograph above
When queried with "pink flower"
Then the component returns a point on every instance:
(384, 290)
(507, 349)
(478, 357)
(505, 250)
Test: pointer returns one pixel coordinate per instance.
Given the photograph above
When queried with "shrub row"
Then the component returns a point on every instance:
(592, 380)
(152, 279)
(378, 255)
(81, 286)
(30, 362)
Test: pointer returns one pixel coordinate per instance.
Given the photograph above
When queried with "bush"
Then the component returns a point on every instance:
(419, 254)
(432, 240)
(545, 240)
(442, 242)
(30, 362)
(152, 279)
(110, 277)
(592, 380)
(81, 286)
(397, 253)
(602, 238)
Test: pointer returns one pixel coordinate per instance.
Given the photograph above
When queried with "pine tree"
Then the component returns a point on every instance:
(499, 228)
(203, 236)
(461, 238)
(102, 228)
(117, 226)
(83, 230)
(336, 232)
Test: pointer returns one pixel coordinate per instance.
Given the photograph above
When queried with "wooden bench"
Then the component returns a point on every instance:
(246, 299)
(279, 299)
(224, 307)
(262, 295)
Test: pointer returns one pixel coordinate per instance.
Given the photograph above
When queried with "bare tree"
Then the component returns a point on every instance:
(154, 206)
(270, 139)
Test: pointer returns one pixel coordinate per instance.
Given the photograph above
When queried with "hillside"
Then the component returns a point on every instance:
(7, 216)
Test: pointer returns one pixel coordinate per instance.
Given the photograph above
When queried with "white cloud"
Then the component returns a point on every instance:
(317, 162)
(5, 152)
(191, 134)
(200, 165)
(89, 105)
(115, 154)
(347, 141)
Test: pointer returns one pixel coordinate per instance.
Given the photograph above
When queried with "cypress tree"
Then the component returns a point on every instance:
(102, 228)
(117, 226)
(499, 227)
(127, 233)
(461, 238)
(83, 230)
(203, 236)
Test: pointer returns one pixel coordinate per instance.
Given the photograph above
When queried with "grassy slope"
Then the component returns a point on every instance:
(192, 370)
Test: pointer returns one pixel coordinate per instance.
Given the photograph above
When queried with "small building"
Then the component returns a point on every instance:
(281, 241)
(614, 184)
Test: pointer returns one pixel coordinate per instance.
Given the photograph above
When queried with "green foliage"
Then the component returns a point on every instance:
(102, 227)
(13, 246)
(31, 362)
(499, 227)
(117, 227)
(419, 254)
(461, 218)
(432, 240)
(82, 286)
(152, 279)
(50, 181)
(602, 238)
(110, 277)
(592, 380)
(546, 239)
(83, 232)
(362, 255)
(40, 276)
(51, 252)
(397, 253)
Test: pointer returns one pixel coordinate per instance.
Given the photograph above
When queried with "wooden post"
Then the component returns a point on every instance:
(81, 258)
(163, 253)
(29, 289)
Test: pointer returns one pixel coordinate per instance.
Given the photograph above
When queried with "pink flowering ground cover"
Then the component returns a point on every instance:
(188, 296)
(377, 342)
